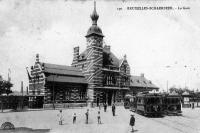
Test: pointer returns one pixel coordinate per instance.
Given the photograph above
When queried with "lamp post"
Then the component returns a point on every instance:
(53, 94)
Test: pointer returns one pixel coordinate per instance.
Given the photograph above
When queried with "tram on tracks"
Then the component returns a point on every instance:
(130, 102)
(172, 104)
(149, 104)
(146, 104)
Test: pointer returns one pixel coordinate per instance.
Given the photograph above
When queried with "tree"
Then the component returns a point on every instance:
(179, 90)
(5, 87)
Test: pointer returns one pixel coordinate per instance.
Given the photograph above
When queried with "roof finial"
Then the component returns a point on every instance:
(95, 5)
(125, 57)
(94, 16)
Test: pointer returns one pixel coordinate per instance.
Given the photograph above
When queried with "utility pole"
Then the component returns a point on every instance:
(167, 87)
(53, 93)
(22, 89)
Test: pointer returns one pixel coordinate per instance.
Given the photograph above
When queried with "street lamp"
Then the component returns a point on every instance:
(54, 91)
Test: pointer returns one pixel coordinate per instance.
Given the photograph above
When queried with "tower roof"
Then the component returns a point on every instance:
(94, 29)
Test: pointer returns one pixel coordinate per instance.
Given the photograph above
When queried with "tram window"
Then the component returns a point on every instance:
(153, 100)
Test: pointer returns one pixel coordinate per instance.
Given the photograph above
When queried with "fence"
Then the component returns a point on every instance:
(13, 102)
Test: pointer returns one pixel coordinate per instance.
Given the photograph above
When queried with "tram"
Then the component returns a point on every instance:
(172, 104)
(130, 102)
(149, 104)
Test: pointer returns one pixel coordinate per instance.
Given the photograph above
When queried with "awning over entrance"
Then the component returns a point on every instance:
(113, 88)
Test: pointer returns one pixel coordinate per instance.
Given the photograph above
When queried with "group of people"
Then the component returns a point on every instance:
(61, 117)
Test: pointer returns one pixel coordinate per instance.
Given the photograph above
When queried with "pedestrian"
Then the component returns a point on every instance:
(99, 117)
(105, 107)
(74, 118)
(113, 109)
(193, 105)
(99, 106)
(60, 117)
(87, 115)
(132, 122)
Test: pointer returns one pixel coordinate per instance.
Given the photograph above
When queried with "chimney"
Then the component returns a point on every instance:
(37, 58)
(76, 54)
(142, 74)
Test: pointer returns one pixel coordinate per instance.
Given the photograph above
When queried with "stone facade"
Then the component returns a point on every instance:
(107, 76)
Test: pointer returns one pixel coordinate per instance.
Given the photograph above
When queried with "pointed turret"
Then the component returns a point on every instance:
(94, 29)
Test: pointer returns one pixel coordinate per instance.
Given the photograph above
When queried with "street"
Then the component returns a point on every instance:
(189, 122)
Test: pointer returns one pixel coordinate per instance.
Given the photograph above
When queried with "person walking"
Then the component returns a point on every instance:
(132, 122)
(105, 107)
(99, 117)
(87, 115)
(74, 118)
(193, 105)
(113, 109)
(60, 117)
(99, 106)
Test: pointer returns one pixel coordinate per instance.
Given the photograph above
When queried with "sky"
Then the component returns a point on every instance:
(162, 44)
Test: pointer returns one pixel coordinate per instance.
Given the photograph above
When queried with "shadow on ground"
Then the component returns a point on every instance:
(25, 130)
(134, 131)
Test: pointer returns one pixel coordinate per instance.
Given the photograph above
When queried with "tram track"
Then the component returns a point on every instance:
(174, 124)
(169, 125)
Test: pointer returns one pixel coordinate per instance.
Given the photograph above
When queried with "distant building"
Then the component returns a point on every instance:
(141, 84)
(95, 76)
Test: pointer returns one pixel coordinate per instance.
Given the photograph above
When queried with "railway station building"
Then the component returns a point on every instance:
(95, 76)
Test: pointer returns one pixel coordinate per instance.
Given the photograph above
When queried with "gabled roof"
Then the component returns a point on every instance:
(140, 81)
(62, 70)
(186, 93)
(109, 58)
(173, 93)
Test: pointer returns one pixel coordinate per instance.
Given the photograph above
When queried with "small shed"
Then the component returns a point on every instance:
(186, 100)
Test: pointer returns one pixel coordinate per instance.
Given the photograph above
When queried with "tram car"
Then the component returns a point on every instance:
(130, 102)
(127, 99)
(172, 104)
(149, 104)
